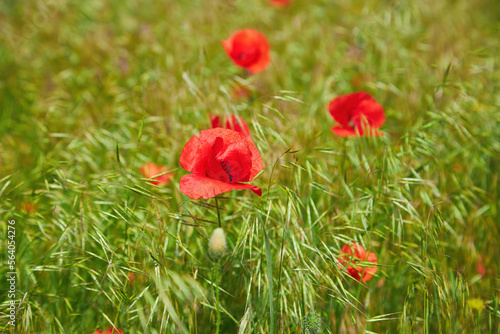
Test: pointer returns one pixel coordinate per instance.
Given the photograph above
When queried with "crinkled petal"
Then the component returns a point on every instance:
(195, 154)
(231, 137)
(215, 169)
(236, 161)
(197, 186)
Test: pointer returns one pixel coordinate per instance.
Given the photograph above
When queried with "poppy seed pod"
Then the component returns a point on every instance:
(217, 243)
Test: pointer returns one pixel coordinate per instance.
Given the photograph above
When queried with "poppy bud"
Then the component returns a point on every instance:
(217, 244)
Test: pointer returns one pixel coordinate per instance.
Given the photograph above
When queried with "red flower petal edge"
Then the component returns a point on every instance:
(358, 114)
(220, 159)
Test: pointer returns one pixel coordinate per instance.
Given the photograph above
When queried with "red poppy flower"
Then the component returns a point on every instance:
(219, 159)
(110, 330)
(354, 254)
(149, 170)
(357, 113)
(248, 48)
(280, 3)
(233, 123)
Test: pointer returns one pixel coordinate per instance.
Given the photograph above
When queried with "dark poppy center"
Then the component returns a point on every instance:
(246, 56)
(226, 166)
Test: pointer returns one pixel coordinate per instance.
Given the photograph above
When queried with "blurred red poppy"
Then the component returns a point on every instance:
(149, 170)
(110, 330)
(481, 269)
(248, 48)
(29, 207)
(241, 92)
(233, 123)
(219, 159)
(280, 3)
(357, 114)
(352, 255)
(131, 277)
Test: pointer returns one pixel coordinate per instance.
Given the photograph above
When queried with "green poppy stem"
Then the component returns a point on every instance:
(218, 212)
(217, 293)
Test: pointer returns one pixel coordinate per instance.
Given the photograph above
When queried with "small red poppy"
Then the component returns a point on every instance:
(353, 254)
(280, 3)
(110, 330)
(233, 123)
(219, 159)
(29, 207)
(481, 270)
(150, 170)
(357, 113)
(248, 48)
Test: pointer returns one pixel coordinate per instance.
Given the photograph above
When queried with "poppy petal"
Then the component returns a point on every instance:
(343, 132)
(264, 59)
(195, 154)
(238, 125)
(352, 255)
(230, 137)
(215, 121)
(342, 108)
(215, 169)
(197, 186)
(372, 110)
(359, 110)
(236, 161)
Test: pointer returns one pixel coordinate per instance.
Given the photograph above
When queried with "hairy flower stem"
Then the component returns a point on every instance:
(218, 212)
(217, 292)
